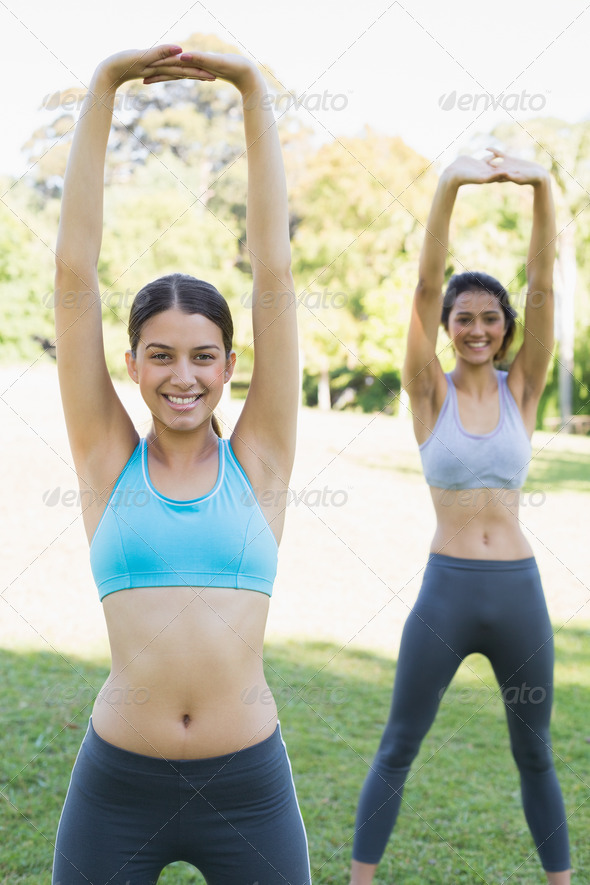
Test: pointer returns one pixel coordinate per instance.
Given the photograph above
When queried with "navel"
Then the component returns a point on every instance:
(186, 720)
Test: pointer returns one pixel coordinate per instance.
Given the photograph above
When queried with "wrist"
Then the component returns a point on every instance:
(450, 180)
(251, 82)
(543, 181)
(103, 81)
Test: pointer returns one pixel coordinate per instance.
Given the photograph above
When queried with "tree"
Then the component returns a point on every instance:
(564, 148)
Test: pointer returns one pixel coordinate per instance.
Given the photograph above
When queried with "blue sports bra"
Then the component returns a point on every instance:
(219, 540)
(452, 458)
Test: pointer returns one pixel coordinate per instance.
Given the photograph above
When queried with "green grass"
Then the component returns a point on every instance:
(560, 471)
(461, 821)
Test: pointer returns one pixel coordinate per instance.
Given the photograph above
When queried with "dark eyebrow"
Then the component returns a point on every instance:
(167, 346)
(469, 313)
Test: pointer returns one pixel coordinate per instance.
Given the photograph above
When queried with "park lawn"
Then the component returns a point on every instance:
(461, 820)
(561, 462)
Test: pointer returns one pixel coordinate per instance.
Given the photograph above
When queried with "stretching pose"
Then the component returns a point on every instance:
(175, 765)
(481, 590)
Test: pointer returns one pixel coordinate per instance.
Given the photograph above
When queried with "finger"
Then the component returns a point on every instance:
(209, 61)
(497, 158)
(193, 59)
(176, 74)
(166, 50)
(176, 69)
(147, 81)
(167, 60)
(202, 57)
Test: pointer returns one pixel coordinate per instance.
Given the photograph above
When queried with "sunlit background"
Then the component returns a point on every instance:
(388, 64)
(373, 100)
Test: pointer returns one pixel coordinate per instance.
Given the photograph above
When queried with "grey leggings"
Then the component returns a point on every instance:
(465, 606)
(234, 817)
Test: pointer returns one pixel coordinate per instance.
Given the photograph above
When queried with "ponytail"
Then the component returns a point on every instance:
(216, 425)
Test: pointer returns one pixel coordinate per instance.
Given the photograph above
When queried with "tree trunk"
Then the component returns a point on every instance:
(324, 399)
(565, 321)
(301, 370)
(404, 410)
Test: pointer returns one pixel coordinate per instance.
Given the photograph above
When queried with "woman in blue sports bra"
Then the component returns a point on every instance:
(481, 590)
(176, 765)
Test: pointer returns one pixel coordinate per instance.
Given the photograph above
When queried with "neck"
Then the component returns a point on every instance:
(170, 445)
(476, 379)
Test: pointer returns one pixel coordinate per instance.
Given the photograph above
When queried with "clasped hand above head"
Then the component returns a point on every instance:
(170, 62)
(498, 166)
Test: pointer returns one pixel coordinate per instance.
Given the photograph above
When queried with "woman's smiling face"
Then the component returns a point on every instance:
(476, 326)
(181, 367)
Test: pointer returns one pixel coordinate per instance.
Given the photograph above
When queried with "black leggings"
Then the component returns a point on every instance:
(466, 606)
(234, 817)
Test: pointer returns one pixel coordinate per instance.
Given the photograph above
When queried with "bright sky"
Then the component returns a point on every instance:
(418, 68)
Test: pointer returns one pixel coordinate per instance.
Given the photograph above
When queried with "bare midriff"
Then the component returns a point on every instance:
(479, 524)
(187, 679)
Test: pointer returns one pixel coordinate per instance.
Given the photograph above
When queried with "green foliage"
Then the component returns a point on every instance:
(26, 270)
(176, 200)
(358, 214)
(357, 389)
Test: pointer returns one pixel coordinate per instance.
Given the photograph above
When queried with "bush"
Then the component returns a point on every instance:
(355, 389)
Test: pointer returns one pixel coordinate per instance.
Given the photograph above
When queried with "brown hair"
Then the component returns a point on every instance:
(476, 281)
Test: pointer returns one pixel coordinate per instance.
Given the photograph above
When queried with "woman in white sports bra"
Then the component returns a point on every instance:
(187, 770)
(481, 590)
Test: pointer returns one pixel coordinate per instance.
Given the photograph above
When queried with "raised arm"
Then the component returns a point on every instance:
(529, 369)
(270, 412)
(264, 437)
(96, 420)
(421, 371)
(422, 375)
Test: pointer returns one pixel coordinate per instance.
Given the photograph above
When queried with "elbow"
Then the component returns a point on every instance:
(280, 266)
(427, 290)
(74, 256)
(540, 295)
(70, 271)
(274, 277)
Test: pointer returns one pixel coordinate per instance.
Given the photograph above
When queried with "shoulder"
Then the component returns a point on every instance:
(502, 378)
(230, 458)
(518, 401)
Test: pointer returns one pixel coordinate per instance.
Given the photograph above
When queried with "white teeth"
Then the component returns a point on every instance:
(182, 400)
